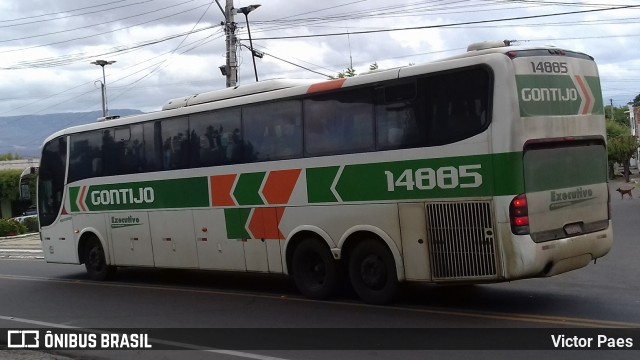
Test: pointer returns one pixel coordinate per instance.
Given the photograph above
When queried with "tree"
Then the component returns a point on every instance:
(619, 114)
(351, 72)
(9, 156)
(621, 146)
(636, 100)
(9, 184)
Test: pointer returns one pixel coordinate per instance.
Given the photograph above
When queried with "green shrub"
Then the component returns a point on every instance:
(31, 224)
(21, 228)
(11, 228)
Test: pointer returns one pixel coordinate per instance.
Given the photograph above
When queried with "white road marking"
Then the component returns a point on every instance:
(527, 318)
(21, 250)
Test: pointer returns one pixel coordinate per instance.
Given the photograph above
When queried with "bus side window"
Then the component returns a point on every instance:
(396, 122)
(112, 154)
(340, 123)
(152, 146)
(215, 138)
(85, 160)
(397, 127)
(166, 144)
(175, 144)
(130, 149)
(273, 131)
(456, 104)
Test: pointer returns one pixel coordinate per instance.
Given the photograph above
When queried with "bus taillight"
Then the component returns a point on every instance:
(519, 215)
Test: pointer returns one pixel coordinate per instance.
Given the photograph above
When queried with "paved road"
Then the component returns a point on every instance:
(31, 355)
(21, 247)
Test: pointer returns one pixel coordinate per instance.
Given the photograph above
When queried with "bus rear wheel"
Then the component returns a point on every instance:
(372, 271)
(315, 272)
(95, 261)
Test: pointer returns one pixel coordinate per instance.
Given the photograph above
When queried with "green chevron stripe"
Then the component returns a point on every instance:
(248, 188)
(319, 182)
(236, 221)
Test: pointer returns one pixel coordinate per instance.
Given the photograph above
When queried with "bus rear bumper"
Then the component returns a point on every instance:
(525, 259)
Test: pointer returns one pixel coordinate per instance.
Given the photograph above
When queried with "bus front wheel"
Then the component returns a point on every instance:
(315, 272)
(95, 261)
(372, 271)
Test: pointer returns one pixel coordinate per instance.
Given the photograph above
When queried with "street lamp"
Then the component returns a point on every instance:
(103, 63)
(246, 10)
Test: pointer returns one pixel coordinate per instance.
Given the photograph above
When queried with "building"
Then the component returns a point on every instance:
(19, 164)
(7, 205)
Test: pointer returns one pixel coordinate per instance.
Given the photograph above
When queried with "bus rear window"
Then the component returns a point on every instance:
(564, 164)
(566, 188)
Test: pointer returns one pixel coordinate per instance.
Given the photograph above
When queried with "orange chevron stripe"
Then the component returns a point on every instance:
(279, 186)
(81, 203)
(264, 223)
(326, 86)
(221, 187)
(587, 105)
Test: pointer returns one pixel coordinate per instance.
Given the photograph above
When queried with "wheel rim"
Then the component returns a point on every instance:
(315, 271)
(373, 272)
(95, 258)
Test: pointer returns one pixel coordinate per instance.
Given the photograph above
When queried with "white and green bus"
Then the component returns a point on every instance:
(485, 167)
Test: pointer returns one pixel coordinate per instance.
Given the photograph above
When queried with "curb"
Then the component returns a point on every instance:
(18, 236)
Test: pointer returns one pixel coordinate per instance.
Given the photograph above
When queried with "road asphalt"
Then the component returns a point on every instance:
(21, 247)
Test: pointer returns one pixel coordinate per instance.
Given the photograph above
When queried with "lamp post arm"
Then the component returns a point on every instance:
(253, 57)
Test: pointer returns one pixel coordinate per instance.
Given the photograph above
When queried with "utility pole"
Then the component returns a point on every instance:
(103, 63)
(231, 69)
(246, 10)
(612, 113)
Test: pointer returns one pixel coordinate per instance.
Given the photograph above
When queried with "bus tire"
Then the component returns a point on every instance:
(95, 261)
(315, 272)
(372, 271)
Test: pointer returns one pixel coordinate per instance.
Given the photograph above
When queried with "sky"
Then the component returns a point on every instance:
(165, 49)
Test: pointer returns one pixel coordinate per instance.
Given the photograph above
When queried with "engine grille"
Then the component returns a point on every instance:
(461, 240)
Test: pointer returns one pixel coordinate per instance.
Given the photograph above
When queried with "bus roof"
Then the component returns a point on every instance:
(237, 91)
(508, 46)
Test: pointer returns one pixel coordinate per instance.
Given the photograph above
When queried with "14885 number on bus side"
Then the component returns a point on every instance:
(446, 177)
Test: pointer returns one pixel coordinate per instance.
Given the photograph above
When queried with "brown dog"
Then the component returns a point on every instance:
(625, 191)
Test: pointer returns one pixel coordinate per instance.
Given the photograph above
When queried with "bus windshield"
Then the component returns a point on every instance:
(51, 180)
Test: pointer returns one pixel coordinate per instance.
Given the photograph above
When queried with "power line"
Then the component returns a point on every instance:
(80, 57)
(289, 62)
(74, 15)
(172, 52)
(420, 9)
(103, 33)
(106, 22)
(60, 12)
(445, 25)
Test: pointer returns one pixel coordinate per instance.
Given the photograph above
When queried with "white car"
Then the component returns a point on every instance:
(21, 219)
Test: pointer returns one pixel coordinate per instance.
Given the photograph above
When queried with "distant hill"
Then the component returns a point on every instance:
(23, 135)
